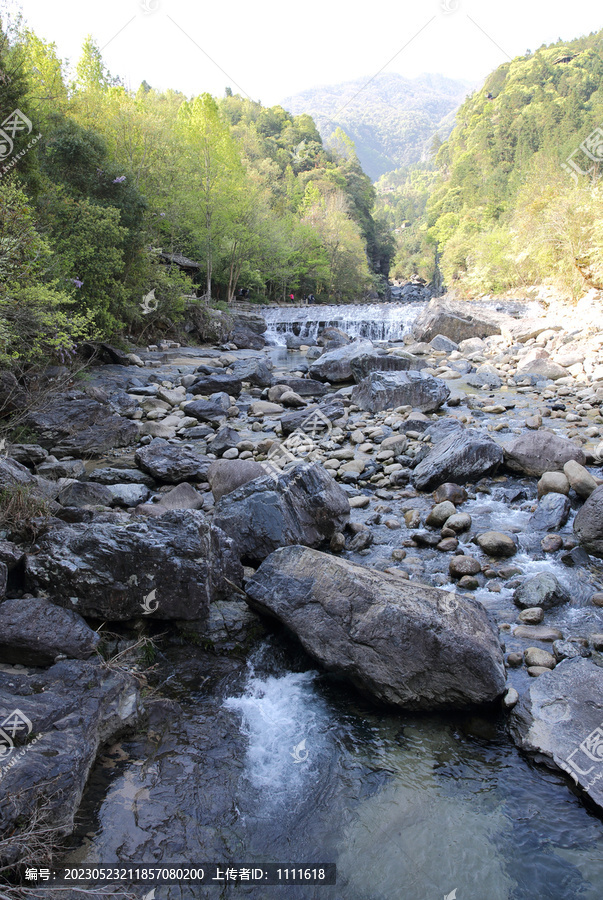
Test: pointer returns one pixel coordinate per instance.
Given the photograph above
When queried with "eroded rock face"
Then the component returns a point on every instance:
(555, 718)
(401, 642)
(301, 506)
(72, 710)
(336, 365)
(76, 425)
(541, 451)
(387, 390)
(462, 457)
(33, 632)
(458, 322)
(588, 524)
(107, 570)
(171, 463)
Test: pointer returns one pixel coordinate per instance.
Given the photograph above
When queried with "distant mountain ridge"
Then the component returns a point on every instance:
(392, 120)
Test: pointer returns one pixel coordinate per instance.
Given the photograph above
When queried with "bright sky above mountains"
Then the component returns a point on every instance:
(269, 49)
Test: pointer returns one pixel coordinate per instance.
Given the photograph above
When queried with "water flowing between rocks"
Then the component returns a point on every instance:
(265, 759)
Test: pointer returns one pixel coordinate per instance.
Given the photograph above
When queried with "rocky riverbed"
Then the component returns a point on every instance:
(426, 517)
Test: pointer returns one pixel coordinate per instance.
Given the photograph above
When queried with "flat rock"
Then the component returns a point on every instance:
(401, 642)
(540, 590)
(336, 365)
(76, 425)
(551, 514)
(558, 723)
(388, 390)
(538, 633)
(464, 456)
(171, 463)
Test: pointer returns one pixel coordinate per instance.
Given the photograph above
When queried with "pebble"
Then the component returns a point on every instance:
(531, 616)
(360, 502)
(464, 565)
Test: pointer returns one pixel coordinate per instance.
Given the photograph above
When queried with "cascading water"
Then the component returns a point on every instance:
(376, 321)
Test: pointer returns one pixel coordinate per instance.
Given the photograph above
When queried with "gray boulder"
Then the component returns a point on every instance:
(401, 642)
(76, 425)
(85, 493)
(226, 475)
(183, 496)
(313, 420)
(128, 495)
(541, 451)
(464, 456)
(388, 390)
(303, 505)
(305, 387)
(551, 514)
(34, 632)
(171, 463)
(379, 361)
(111, 476)
(588, 524)
(541, 590)
(256, 371)
(558, 722)
(336, 365)
(457, 321)
(213, 409)
(544, 368)
(54, 468)
(106, 570)
(66, 715)
(214, 381)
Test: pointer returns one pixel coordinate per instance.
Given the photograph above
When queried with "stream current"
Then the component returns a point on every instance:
(265, 759)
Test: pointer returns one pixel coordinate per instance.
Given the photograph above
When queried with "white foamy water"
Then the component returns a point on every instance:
(284, 721)
(375, 321)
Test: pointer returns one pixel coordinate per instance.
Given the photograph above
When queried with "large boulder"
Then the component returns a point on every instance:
(76, 425)
(314, 420)
(245, 339)
(457, 321)
(545, 369)
(108, 570)
(305, 387)
(588, 524)
(558, 722)
(336, 365)
(303, 505)
(255, 371)
(33, 632)
(379, 361)
(464, 456)
(551, 513)
(171, 463)
(542, 590)
(388, 390)
(214, 409)
(404, 643)
(213, 381)
(226, 475)
(59, 720)
(541, 451)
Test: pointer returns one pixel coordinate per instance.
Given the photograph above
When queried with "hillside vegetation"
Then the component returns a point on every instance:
(392, 120)
(514, 197)
(97, 181)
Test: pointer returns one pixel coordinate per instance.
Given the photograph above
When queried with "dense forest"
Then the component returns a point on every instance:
(513, 198)
(97, 182)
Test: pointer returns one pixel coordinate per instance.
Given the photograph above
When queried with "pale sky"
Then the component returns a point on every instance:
(270, 49)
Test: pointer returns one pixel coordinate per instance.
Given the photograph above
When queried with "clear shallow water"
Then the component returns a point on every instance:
(408, 806)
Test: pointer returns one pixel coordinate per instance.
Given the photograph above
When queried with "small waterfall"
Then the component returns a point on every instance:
(376, 321)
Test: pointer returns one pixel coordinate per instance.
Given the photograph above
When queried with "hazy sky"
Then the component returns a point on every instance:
(270, 49)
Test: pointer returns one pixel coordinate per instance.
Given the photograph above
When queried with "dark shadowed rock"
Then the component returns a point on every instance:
(171, 463)
(214, 409)
(246, 339)
(12, 396)
(34, 632)
(256, 371)
(379, 361)
(305, 387)
(313, 419)
(225, 475)
(558, 722)
(70, 711)
(218, 380)
(183, 496)
(225, 439)
(27, 454)
(588, 524)
(76, 425)
(336, 365)
(301, 506)
(110, 476)
(85, 493)
(551, 514)
(541, 590)
(106, 570)
(541, 451)
(464, 456)
(388, 390)
(401, 642)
